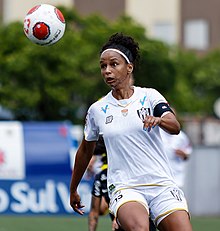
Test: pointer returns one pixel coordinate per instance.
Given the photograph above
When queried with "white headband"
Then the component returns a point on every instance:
(119, 52)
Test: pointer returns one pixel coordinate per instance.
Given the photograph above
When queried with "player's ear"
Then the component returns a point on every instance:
(130, 68)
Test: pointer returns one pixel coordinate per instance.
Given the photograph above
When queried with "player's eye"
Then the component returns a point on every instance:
(103, 66)
(114, 64)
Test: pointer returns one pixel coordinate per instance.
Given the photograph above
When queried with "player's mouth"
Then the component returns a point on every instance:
(109, 80)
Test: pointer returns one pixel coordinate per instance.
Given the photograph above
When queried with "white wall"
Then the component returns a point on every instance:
(150, 13)
(202, 185)
(15, 10)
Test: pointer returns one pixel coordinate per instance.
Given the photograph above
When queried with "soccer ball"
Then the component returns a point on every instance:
(44, 25)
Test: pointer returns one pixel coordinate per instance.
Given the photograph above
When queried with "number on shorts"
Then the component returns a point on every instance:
(118, 198)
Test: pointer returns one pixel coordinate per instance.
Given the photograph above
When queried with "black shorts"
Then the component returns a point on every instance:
(99, 188)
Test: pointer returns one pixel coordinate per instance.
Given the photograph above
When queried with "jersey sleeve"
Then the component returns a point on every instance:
(159, 104)
(91, 131)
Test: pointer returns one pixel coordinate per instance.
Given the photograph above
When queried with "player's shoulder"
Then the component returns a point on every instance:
(99, 103)
(146, 90)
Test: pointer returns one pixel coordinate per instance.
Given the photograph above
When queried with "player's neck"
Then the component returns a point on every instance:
(124, 93)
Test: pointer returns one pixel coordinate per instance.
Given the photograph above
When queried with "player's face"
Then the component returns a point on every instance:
(114, 69)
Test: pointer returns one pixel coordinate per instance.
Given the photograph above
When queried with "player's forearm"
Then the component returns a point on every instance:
(183, 155)
(170, 124)
(82, 159)
(78, 172)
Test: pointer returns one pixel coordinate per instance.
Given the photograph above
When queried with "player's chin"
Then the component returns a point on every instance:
(110, 83)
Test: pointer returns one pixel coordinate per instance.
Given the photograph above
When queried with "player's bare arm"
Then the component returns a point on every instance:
(83, 156)
(168, 122)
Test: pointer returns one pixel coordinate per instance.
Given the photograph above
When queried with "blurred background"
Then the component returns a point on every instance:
(46, 91)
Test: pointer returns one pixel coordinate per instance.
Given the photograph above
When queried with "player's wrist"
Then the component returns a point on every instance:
(160, 121)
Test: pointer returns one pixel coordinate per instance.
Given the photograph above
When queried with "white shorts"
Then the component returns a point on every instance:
(160, 201)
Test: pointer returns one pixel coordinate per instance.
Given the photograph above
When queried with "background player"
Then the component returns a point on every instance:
(178, 149)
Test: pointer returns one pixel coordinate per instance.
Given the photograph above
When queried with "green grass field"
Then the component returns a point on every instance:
(68, 223)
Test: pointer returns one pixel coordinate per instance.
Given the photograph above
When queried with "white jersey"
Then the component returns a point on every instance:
(172, 143)
(135, 157)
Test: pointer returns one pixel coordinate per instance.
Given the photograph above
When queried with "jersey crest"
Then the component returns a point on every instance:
(143, 112)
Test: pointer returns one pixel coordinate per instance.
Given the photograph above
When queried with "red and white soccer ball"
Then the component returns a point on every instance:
(44, 24)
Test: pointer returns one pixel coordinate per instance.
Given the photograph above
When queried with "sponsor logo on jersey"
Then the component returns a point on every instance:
(109, 119)
(143, 100)
(104, 109)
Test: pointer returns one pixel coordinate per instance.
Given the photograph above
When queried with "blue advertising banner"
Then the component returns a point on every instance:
(35, 168)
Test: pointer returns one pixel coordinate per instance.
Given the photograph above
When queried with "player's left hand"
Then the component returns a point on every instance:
(151, 122)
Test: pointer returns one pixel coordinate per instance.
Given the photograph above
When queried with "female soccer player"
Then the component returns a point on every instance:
(140, 181)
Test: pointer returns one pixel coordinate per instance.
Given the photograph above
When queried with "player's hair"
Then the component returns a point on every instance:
(125, 44)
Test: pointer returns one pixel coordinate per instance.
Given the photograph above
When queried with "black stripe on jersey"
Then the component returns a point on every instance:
(161, 108)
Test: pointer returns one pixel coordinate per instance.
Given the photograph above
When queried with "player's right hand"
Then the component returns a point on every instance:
(75, 203)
